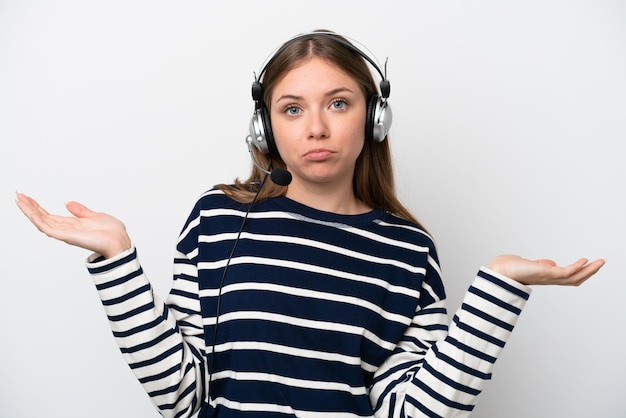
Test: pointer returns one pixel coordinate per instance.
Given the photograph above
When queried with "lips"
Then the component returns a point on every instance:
(318, 154)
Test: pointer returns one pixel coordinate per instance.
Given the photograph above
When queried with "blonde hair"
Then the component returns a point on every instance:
(373, 181)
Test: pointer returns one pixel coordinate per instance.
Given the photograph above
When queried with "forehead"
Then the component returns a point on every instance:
(315, 73)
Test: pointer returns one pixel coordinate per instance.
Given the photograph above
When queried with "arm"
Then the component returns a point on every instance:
(436, 372)
(162, 343)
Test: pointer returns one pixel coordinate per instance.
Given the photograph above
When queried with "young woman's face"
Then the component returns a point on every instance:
(318, 121)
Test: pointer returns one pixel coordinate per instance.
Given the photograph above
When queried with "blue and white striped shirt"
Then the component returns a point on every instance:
(320, 315)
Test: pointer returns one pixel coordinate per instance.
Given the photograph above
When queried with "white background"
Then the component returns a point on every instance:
(508, 136)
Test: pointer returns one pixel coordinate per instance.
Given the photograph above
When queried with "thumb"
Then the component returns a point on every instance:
(79, 210)
(545, 261)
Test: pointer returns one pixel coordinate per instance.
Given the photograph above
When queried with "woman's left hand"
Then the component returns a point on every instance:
(545, 272)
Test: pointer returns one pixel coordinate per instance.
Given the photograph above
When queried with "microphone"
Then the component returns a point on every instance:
(279, 176)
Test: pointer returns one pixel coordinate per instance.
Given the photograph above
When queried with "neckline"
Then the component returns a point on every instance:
(289, 205)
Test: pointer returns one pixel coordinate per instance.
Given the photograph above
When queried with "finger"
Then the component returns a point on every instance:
(24, 203)
(575, 267)
(21, 197)
(545, 261)
(29, 206)
(43, 221)
(79, 210)
(584, 272)
(46, 223)
(590, 269)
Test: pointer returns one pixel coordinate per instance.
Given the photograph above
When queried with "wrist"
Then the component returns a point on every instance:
(113, 251)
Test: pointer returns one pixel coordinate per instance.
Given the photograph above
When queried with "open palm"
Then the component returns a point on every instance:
(94, 231)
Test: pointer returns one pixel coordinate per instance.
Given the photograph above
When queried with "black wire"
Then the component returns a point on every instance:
(219, 294)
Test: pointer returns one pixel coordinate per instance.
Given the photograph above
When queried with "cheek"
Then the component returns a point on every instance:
(278, 133)
(281, 130)
(356, 134)
(357, 147)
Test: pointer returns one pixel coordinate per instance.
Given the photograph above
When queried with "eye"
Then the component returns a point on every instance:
(291, 110)
(339, 104)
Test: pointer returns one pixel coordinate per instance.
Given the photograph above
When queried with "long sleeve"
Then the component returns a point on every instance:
(162, 343)
(439, 372)
(319, 314)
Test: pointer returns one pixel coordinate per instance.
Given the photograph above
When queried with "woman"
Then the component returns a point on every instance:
(318, 297)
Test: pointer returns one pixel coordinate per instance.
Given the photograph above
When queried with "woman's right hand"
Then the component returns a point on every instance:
(93, 231)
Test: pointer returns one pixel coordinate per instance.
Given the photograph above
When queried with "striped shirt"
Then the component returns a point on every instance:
(318, 315)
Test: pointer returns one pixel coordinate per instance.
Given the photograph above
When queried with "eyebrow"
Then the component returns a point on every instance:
(329, 93)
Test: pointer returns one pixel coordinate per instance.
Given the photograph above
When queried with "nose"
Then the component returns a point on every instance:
(318, 125)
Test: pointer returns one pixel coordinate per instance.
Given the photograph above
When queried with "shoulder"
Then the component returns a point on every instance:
(403, 229)
(410, 236)
(213, 209)
(216, 199)
(209, 202)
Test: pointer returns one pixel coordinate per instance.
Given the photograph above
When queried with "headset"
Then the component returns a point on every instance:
(378, 116)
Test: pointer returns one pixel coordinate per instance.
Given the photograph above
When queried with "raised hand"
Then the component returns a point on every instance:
(94, 231)
(545, 272)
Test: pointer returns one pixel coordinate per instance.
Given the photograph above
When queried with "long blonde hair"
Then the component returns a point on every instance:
(373, 181)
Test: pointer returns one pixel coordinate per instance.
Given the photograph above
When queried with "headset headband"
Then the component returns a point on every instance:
(385, 86)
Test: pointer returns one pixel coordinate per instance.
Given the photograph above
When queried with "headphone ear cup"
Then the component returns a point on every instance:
(377, 119)
(269, 135)
(261, 131)
(369, 117)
